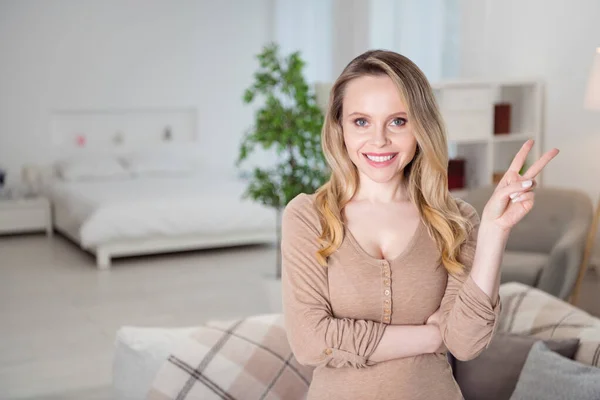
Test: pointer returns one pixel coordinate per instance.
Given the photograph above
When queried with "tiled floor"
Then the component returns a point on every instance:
(59, 315)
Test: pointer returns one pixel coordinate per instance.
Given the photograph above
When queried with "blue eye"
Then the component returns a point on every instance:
(399, 122)
(360, 122)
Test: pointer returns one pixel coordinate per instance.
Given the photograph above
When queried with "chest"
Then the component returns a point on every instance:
(406, 290)
(384, 231)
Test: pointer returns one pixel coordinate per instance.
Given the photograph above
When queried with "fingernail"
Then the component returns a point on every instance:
(512, 196)
(515, 199)
(526, 184)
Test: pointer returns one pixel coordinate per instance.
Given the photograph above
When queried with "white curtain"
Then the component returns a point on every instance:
(306, 26)
(426, 31)
(329, 33)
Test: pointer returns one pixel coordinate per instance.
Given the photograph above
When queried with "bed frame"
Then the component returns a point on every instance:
(105, 252)
(116, 131)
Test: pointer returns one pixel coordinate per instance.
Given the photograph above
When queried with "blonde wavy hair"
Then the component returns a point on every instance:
(426, 175)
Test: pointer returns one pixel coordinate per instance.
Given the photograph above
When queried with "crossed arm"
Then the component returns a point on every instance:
(467, 313)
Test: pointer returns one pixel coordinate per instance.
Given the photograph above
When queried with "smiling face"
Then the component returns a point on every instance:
(377, 133)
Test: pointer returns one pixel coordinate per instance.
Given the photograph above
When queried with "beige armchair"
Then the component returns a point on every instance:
(545, 250)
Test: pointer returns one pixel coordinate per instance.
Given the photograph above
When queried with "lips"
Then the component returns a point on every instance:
(380, 160)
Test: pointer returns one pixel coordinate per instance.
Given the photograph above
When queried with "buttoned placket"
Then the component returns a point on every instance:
(386, 277)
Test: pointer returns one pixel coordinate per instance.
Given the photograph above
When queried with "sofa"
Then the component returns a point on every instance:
(257, 348)
(545, 249)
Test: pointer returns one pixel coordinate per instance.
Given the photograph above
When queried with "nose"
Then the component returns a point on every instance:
(379, 137)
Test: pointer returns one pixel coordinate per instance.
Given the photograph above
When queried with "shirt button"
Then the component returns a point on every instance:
(386, 282)
(387, 311)
(328, 352)
(387, 292)
(386, 319)
(386, 301)
(386, 274)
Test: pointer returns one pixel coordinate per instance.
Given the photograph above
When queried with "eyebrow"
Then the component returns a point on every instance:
(402, 113)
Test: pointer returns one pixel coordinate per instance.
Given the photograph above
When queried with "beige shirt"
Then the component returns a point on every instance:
(336, 315)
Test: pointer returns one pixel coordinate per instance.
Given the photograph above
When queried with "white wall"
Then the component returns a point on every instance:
(74, 54)
(554, 40)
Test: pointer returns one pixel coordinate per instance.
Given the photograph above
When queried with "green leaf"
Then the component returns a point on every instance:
(288, 121)
(248, 96)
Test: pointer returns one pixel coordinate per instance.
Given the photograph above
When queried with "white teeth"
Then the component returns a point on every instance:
(379, 158)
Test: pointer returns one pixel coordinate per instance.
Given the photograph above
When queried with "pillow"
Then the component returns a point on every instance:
(549, 376)
(138, 355)
(78, 169)
(496, 370)
(242, 359)
(157, 164)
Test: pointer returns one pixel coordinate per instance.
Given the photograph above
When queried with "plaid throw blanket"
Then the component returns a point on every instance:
(532, 312)
(251, 358)
(242, 359)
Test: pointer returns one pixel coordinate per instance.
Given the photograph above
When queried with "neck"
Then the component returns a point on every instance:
(389, 192)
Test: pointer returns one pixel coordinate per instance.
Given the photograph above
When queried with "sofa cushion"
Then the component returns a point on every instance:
(532, 312)
(244, 359)
(139, 354)
(547, 375)
(495, 371)
(523, 267)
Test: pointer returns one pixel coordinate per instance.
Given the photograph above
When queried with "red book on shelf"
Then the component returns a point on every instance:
(456, 174)
(501, 119)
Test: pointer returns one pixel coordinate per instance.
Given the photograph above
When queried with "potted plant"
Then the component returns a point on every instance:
(288, 121)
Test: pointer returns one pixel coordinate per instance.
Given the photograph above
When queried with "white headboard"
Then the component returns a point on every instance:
(120, 130)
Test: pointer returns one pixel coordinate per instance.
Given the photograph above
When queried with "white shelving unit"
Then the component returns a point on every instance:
(468, 111)
(467, 107)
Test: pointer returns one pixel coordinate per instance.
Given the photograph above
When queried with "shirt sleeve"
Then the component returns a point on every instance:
(468, 316)
(315, 336)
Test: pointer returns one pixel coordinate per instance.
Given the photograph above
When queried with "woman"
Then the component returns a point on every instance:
(383, 270)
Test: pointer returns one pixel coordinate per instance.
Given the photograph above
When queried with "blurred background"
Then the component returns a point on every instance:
(130, 132)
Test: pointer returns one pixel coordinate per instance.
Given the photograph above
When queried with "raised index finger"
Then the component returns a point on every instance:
(519, 160)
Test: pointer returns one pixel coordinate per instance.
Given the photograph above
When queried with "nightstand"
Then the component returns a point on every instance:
(27, 214)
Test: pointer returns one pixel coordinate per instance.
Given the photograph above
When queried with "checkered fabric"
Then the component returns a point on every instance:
(251, 358)
(532, 312)
(241, 359)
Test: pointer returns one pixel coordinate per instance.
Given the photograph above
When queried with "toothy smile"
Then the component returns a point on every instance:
(380, 157)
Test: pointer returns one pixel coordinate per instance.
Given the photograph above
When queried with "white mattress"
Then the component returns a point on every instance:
(109, 210)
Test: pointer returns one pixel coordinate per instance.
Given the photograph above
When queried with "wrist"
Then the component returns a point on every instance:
(434, 338)
(490, 229)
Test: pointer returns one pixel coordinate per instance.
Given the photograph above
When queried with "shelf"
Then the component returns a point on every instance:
(468, 141)
(505, 138)
(468, 108)
(459, 193)
(512, 137)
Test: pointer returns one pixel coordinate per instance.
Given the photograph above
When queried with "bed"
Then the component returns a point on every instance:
(153, 215)
(116, 200)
